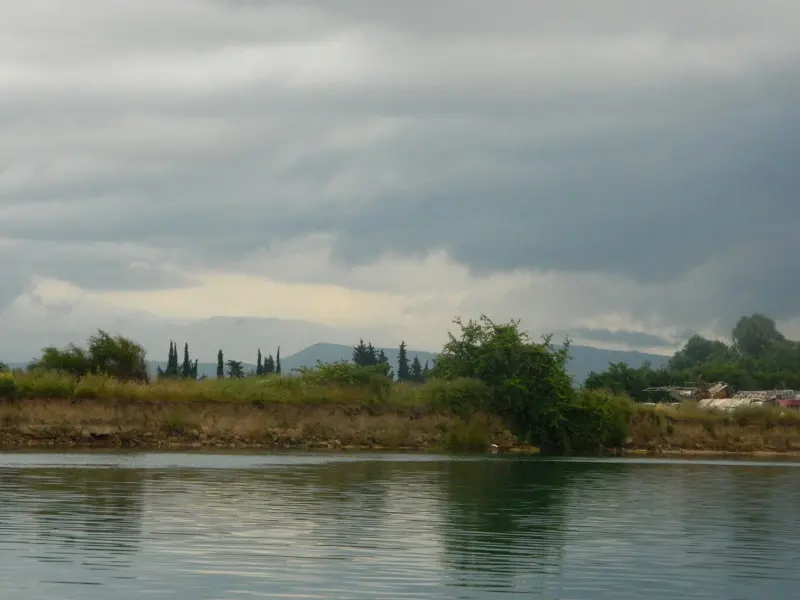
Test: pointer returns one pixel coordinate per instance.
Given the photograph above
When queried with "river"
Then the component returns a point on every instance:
(318, 526)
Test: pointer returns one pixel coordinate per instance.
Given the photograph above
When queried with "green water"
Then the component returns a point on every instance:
(194, 526)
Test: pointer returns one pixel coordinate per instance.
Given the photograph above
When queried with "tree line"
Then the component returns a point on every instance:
(485, 368)
(366, 355)
(124, 359)
(757, 357)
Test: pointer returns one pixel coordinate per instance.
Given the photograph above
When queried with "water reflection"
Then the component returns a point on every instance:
(216, 527)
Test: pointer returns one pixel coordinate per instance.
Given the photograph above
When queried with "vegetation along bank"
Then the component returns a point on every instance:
(491, 388)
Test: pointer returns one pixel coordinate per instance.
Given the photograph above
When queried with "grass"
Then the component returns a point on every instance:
(686, 427)
(311, 411)
(256, 391)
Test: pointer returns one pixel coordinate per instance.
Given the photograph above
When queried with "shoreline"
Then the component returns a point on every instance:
(109, 424)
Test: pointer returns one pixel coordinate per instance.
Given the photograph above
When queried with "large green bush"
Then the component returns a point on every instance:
(115, 356)
(595, 421)
(528, 381)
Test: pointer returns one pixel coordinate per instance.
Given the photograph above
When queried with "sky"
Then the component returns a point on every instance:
(621, 172)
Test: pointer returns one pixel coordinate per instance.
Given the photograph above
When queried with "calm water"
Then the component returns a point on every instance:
(307, 526)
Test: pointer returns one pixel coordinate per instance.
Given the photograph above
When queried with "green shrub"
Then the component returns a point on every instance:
(469, 436)
(460, 396)
(528, 382)
(596, 420)
(8, 386)
(45, 384)
(372, 377)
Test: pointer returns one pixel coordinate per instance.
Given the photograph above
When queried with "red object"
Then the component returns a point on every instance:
(789, 402)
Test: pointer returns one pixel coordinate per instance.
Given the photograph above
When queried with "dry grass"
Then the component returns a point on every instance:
(63, 422)
(686, 427)
(258, 391)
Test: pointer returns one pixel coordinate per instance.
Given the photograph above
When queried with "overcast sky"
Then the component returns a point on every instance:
(625, 171)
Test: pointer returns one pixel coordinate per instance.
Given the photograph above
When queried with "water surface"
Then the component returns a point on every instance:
(213, 526)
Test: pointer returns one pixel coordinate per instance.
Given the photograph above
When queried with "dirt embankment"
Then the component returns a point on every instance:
(713, 434)
(104, 423)
(58, 423)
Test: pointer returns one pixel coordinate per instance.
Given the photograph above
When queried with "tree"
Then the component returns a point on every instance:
(259, 366)
(220, 365)
(172, 361)
(360, 354)
(186, 365)
(402, 363)
(528, 382)
(697, 351)
(3, 367)
(372, 355)
(426, 371)
(278, 361)
(416, 373)
(383, 360)
(235, 369)
(754, 335)
(269, 365)
(114, 356)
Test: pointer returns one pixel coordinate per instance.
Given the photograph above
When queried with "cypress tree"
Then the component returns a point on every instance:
(269, 365)
(402, 363)
(259, 366)
(193, 370)
(186, 366)
(384, 360)
(172, 361)
(220, 365)
(416, 370)
(278, 361)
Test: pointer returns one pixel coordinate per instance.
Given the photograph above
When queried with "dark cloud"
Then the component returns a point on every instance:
(652, 143)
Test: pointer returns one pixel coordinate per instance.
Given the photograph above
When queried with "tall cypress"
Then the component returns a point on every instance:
(416, 370)
(278, 361)
(402, 363)
(172, 361)
(259, 365)
(220, 365)
(186, 366)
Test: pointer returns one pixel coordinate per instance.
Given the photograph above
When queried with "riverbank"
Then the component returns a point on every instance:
(62, 423)
(108, 423)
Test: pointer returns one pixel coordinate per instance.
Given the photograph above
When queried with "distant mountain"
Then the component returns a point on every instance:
(584, 358)
(328, 353)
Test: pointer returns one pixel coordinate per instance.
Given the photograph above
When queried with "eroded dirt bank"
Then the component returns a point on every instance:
(57, 423)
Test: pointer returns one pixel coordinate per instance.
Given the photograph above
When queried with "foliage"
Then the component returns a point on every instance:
(403, 366)
(8, 386)
(760, 357)
(754, 335)
(461, 396)
(220, 365)
(528, 382)
(3, 367)
(416, 373)
(235, 369)
(115, 356)
(596, 420)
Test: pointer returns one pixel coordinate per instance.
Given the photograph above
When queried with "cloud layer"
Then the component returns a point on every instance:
(622, 173)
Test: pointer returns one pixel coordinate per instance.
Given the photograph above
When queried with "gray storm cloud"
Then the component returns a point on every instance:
(652, 142)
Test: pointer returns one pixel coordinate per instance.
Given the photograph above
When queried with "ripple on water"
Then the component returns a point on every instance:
(395, 526)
